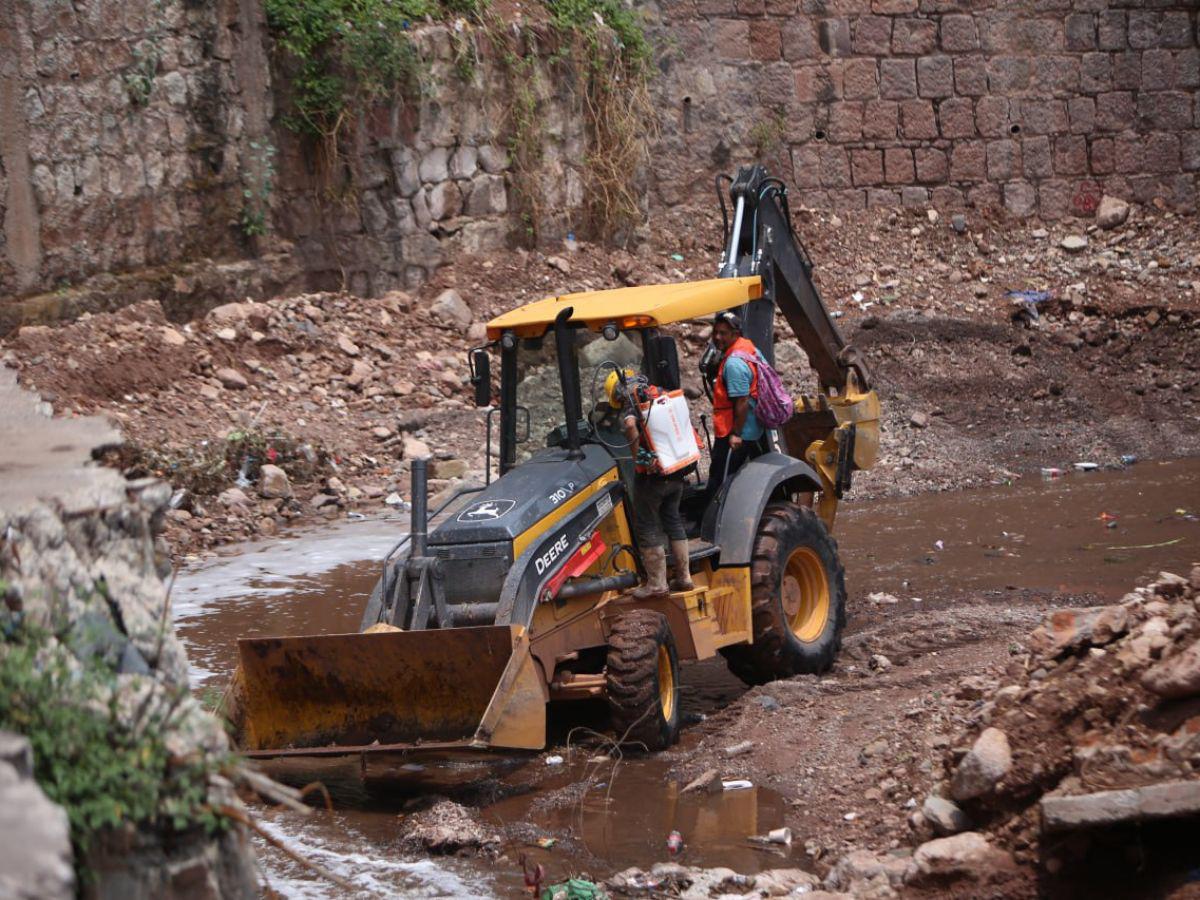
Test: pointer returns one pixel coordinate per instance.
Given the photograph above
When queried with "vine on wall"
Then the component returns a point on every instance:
(339, 57)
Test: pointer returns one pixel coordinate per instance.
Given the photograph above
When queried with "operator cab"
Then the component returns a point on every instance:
(539, 405)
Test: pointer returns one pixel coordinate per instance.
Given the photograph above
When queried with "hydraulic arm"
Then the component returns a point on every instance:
(836, 430)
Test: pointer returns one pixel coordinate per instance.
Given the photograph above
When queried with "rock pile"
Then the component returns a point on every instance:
(337, 385)
(1097, 727)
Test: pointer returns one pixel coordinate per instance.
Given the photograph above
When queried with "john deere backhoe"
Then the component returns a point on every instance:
(519, 596)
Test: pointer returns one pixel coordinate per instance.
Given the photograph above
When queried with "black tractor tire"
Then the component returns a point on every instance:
(643, 708)
(793, 549)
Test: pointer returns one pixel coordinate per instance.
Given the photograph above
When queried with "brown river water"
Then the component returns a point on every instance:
(1091, 534)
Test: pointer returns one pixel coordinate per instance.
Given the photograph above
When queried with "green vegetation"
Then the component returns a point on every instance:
(768, 135)
(339, 57)
(139, 77)
(592, 19)
(342, 55)
(258, 180)
(604, 49)
(105, 772)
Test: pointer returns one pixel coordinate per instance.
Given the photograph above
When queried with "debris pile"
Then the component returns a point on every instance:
(693, 883)
(446, 827)
(1097, 727)
(261, 413)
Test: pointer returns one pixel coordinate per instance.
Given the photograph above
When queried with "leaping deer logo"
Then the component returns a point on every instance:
(486, 510)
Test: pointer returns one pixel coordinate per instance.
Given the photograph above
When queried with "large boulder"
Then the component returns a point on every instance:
(273, 483)
(984, 765)
(449, 308)
(944, 815)
(966, 854)
(1176, 677)
(1113, 211)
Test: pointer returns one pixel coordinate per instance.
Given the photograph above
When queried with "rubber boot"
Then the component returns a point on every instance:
(682, 579)
(655, 588)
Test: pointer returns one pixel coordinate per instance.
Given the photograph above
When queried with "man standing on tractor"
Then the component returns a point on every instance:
(657, 520)
(734, 397)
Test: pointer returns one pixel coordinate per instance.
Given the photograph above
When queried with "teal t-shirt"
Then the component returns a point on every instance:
(738, 377)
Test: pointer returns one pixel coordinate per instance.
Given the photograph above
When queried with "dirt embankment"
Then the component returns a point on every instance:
(960, 753)
(341, 391)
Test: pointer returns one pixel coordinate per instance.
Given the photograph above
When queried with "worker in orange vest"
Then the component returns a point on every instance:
(735, 394)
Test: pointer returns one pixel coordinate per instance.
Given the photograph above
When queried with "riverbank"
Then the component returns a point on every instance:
(340, 392)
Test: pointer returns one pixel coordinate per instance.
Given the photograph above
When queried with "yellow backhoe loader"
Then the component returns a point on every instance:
(519, 596)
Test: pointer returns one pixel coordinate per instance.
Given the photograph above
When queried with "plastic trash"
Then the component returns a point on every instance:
(555, 760)
(1086, 466)
(1052, 472)
(243, 476)
(780, 836)
(1027, 302)
(574, 889)
(939, 545)
(570, 243)
(1128, 459)
(737, 784)
(546, 842)
(674, 842)
(355, 515)
(678, 257)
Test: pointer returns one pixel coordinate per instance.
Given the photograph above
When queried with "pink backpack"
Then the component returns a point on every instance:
(775, 405)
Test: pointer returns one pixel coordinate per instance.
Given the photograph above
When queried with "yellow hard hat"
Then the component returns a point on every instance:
(612, 385)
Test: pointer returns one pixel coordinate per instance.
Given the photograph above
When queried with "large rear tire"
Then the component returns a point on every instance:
(798, 598)
(642, 677)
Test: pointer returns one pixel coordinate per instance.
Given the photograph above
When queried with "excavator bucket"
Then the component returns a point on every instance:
(388, 691)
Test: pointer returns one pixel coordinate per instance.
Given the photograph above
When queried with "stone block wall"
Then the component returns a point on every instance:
(124, 134)
(129, 132)
(433, 177)
(1040, 106)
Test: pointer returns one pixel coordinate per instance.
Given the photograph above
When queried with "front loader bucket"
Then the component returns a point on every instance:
(387, 692)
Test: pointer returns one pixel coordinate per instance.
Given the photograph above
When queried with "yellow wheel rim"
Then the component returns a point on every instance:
(666, 683)
(805, 594)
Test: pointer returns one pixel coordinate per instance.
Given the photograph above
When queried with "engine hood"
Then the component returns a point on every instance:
(526, 494)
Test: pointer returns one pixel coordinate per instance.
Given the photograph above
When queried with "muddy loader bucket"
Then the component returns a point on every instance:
(387, 692)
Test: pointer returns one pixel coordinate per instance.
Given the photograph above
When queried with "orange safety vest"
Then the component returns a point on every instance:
(722, 404)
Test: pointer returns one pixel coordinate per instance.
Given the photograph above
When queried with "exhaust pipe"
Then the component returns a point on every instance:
(419, 527)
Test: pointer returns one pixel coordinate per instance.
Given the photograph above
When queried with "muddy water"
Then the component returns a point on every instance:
(1093, 534)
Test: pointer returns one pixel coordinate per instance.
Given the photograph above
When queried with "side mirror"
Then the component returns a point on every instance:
(481, 376)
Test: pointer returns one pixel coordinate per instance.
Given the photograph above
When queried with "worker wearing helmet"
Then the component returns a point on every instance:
(658, 523)
(734, 395)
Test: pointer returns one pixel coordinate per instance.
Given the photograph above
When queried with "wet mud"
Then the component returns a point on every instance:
(919, 569)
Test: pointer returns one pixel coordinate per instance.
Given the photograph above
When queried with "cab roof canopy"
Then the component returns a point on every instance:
(631, 307)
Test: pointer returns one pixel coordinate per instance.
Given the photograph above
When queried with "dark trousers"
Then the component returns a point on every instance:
(725, 464)
(656, 516)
